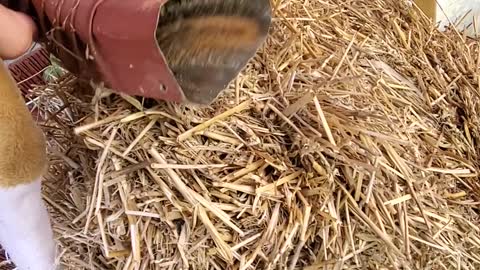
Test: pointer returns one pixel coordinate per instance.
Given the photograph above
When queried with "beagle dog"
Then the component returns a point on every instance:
(25, 229)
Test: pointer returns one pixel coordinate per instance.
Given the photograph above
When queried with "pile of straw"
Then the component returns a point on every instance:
(351, 141)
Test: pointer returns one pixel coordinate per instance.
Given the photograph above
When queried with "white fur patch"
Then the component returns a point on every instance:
(465, 14)
(25, 228)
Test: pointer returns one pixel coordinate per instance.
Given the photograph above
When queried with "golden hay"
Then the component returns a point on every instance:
(351, 141)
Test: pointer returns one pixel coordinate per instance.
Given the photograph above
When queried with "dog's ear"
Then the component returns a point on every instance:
(208, 42)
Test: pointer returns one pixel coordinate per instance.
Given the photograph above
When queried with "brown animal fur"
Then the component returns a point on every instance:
(210, 36)
(429, 7)
(208, 42)
(213, 51)
(22, 143)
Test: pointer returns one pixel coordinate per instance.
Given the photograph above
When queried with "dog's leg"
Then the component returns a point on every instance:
(25, 229)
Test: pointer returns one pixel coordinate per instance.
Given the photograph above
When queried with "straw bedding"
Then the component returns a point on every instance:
(350, 142)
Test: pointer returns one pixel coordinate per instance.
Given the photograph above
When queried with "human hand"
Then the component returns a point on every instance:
(17, 33)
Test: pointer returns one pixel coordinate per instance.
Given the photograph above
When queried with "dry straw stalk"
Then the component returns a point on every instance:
(350, 142)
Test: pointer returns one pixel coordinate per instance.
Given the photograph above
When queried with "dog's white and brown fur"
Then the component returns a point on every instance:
(25, 228)
(463, 14)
